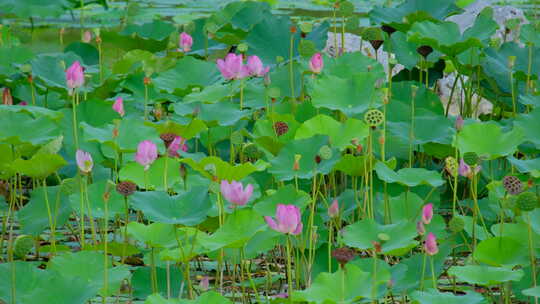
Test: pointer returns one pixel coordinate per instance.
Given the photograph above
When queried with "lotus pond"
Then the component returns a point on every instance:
(325, 151)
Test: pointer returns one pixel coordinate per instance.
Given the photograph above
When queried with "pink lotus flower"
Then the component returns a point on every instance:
(118, 106)
(316, 63)
(146, 153)
(459, 123)
(255, 67)
(427, 213)
(420, 228)
(430, 245)
(232, 67)
(333, 210)
(289, 220)
(177, 143)
(84, 161)
(23, 103)
(466, 171)
(75, 76)
(235, 193)
(186, 41)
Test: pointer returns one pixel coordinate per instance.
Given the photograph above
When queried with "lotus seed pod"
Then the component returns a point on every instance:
(374, 117)
(237, 138)
(451, 166)
(456, 224)
(424, 50)
(22, 246)
(281, 127)
(527, 201)
(325, 152)
(167, 138)
(126, 188)
(471, 158)
(343, 255)
(512, 184)
(211, 168)
(251, 151)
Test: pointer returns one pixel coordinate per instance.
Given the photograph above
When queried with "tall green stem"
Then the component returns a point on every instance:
(289, 270)
(532, 254)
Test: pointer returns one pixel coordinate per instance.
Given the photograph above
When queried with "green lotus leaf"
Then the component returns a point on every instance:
(328, 287)
(224, 113)
(501, 251)
(340, 134)
(212, 93)
(479, 231)
(532, 292)
(142, 284)
(210, 297)
(35, 8)
(95, 201)
(341, 66)
(34, 216)
(531, 166)
(529, 123)
(51, 68)
(12, 56)
(39, 166)
(188, 130)
(39, 126)
(435, 296)
(189, 245)
(427, 129)
(282, 165)
(155, 176)
(87, 52)
(188, 208)
(529, 34)
(485, 275)
(187, 72)
(353, 165)
(487, 139)
(224, 170)
(88, 265)
(363, 233)
(155, 30)
(352, 96)
(284, 195)
(157, 235)
(404, 50)
(410, 177)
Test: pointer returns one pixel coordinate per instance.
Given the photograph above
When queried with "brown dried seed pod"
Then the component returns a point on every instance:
(126, 188)
(512, 184)
(343, 255)
(424, 50)
(167, 138)
(281, 127)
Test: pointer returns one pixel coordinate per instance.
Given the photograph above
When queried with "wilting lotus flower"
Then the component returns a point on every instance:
(75, 76)
(427, 213)
(333, 210)
(316, 63)
(420, 228)
(459, 123)
(466, 171)
(289, 220)
(430, 246)
(84, 161)
(6, 97)
(186, 41)
(146, 153)
(118, 106)
(177, 143)
(255, 67)
(232, 67)
(235, 193)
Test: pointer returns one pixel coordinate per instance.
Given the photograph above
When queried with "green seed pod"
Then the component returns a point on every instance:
(456, 224)
(374, 117)
(251, 151)
(451, 165)
(22, 246)
(527, 201)
(211, 168)
(325, 152)
(471, 158)
(237, 138)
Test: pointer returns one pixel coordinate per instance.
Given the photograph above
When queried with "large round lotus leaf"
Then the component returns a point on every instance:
(34, 285)
(40, 165)
(353, 165)
(266, 127)
(188, 129)
(427, 129)
(404, 50)
(515, 231)
(485, 275)
(88, 53)
(342, 67)
(156, 30)
(188, 208)
(155, 235)
(410, 177)
(329, 287)
(96, 112)
(340, 134)
(501, 251)
(224, 170)
(51, 68)
(34, 217)
(37, 129)
(225, 113)
(426, 102)
(283, 165)
(284, 195)
(88, 265)
(363, 233)
(352, 95)
(142, 285)
(95, 194)
(405, 207)
(529, 34)
(238, 229)
(530, 124)
(11, 57)
(434, 296)
(187, 72)
(487, 139)
(154, 177)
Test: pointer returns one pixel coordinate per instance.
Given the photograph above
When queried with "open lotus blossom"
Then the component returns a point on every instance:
(333, 210)
(427, 213)
(255, 67)
(177, 144)
(235, 193)
(84, 161)
(146, 153)
(420, 228)
(316, 63)
(430, 246)
(288, 220)
(186, 41)
(75, 76)
(466, 170)
(232, 67)
(118, 106)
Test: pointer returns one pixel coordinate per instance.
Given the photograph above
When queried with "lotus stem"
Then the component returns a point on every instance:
(531, 253)
(289, 270)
